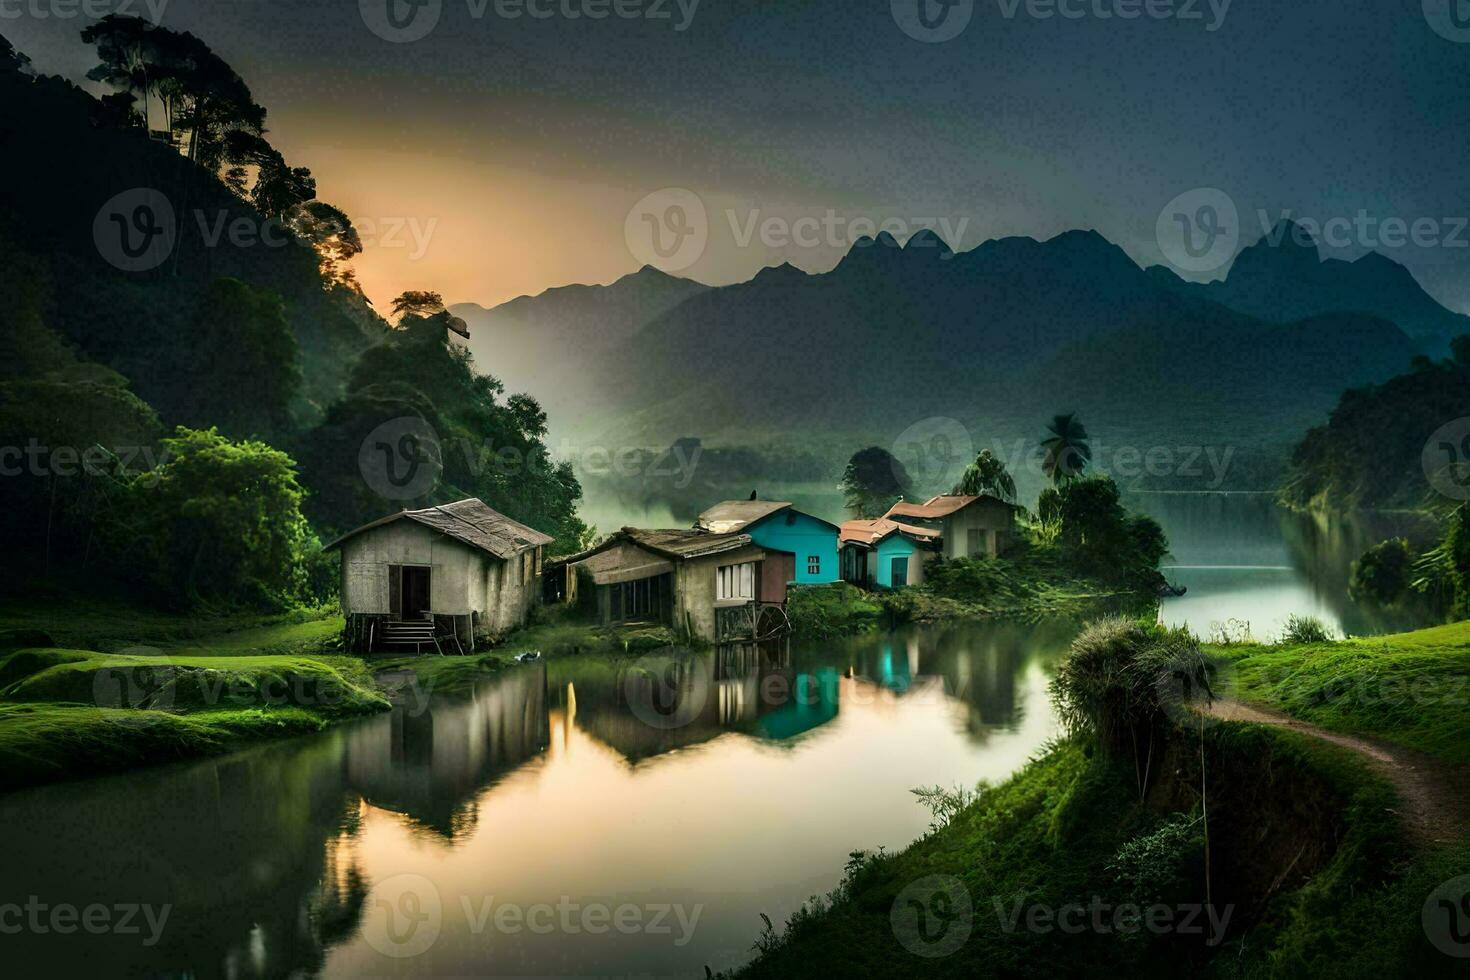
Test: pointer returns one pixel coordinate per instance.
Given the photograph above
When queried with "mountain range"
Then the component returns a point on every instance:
(999, 338)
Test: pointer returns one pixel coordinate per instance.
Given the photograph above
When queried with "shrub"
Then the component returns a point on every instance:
(1305, 629)
(1122, 680)
(1382, 575)
(1159, 866)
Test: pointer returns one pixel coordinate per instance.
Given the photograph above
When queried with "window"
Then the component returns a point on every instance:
(735, 582)
(814, 564)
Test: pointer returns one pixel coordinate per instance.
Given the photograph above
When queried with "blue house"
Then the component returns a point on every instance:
(779, 527)
(886, 554)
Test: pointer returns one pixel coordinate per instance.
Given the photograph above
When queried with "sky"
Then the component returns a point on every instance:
(493, 148)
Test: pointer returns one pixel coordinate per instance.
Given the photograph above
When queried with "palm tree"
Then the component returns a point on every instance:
(987, 475)
(1067, 449)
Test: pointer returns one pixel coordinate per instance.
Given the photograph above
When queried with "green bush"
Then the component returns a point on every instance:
(1383, 574)
(1305, 629)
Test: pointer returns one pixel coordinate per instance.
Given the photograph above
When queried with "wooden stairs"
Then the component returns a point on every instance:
(417, 633)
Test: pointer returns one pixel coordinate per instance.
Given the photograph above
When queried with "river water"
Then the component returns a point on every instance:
(581, 817)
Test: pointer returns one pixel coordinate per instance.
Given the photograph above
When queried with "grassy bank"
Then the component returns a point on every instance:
(1412, 689)
(70, 713)
(1069, 830)
(1304, 842)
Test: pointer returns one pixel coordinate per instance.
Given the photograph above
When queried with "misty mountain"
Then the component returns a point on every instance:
(549, 344)
(998, 338)
(1283, 277)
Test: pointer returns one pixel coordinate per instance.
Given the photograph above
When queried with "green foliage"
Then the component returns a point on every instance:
(1382, 574)
(825, 611)
(1067, 448)
(217, 521)
(1160, 866)
(482, 447)
(1100, 538)
(944, 804)
(1410, 689)
(1301, 630)
(987, 475)
(873, 481)
(1122, 680)
(1369, 452)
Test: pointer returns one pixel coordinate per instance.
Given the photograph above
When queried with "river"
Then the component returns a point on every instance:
(581, 817)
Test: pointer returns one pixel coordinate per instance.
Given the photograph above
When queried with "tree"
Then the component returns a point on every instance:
(11, 59)
(1067, 448)
(243, 362)
(987, 475)
(1460, 348)
(417, 302)
(126, 49)
(218, 521)
(329, 231)
(873, 481)
(1099, 538)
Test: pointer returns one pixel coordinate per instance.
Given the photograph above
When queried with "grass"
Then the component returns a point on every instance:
(1051, 836)
(1412, 688)
(180, 687)
(109, 625)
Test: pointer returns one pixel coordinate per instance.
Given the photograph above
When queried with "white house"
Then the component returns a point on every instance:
(446, 577)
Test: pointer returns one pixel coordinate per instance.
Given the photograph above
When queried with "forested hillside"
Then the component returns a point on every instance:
(183, 327)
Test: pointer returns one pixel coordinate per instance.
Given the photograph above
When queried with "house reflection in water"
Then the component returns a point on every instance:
(431, 763)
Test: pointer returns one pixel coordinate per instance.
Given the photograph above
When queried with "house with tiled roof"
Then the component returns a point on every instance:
(970, 526)
(885, 553)
(779, 527)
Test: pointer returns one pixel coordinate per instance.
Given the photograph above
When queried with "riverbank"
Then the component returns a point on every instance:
(1309, 855)
(90, 689)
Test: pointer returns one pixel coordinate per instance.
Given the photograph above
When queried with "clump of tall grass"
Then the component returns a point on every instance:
(1304, 629)
(1126, 682)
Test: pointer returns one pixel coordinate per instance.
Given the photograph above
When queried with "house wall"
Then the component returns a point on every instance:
(802, 535)
(991, 517)
(462, 580)
(891, 547)
(694, 590)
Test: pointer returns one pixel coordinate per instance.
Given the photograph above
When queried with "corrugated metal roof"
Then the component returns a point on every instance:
(470, 521)
(938, 508)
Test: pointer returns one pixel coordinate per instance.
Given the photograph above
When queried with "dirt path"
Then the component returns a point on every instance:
(1435, 794)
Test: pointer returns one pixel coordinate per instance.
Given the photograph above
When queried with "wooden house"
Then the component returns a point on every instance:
(713, 587)
(777, 526)
(970, 526)
(886, 554)
(446, 576)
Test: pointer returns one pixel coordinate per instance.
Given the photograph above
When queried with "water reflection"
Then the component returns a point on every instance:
(1245, 558)
(545, 786)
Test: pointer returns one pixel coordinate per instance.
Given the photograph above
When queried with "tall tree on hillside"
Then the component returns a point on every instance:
(417, 302)
(11, 59)
(126, 49)
(1067, 449)
(329, 231)
(873, 482)
(987, 475)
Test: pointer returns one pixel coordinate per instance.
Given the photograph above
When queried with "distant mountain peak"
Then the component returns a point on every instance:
(778, 273)
(926, 240)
